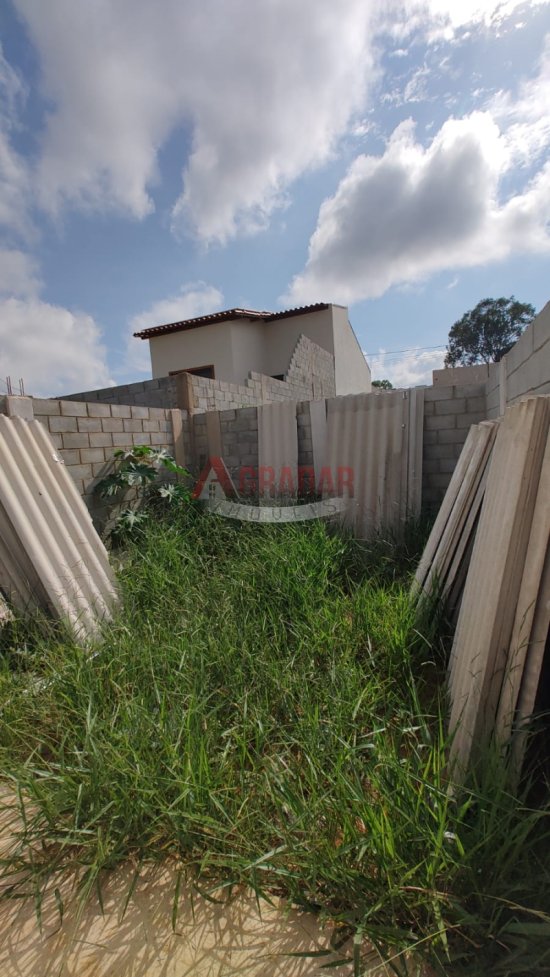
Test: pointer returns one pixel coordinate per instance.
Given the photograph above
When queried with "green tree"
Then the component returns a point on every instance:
(487, 332)
(383, 384)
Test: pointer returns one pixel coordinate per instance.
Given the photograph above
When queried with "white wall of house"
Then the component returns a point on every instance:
(236, 347)
(248, 348)
(283, 334)
(233, 348)
(352, 372)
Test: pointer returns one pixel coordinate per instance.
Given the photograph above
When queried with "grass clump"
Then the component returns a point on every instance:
(263, 710)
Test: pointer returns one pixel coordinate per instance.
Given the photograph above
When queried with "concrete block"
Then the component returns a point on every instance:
(430, 466)
(476, 404)
(161, 439)
(157, 414)
(141, 413)
(99, 410)
(541, 328)
(19, 407)
(70, 457)
(133, 426)
(457, 406)
(466, 420)
(92, 455)
(440, 481)
(530, 376)
(227, 416)
(249, 460)
(100, 469)
(440, 423)
(520, 352)
(121, 410)
(111, 424)
(81, 471)
(438, 393)
(57, 440)
(80, 485)
(102, 440)
(458, 375)
(447, 465)
(446, 451)
(89, 424)
(430, 437)
(62, 425)
(121, 440)
(150, 426)
(493, 398)
(141, 438)
(44, 406)
(453, 436)
(72, 408)
(231, 461)
(76, 440)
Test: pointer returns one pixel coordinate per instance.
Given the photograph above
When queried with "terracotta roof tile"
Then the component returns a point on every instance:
(226, 316)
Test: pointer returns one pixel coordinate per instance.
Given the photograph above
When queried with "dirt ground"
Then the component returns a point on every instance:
(210, 940)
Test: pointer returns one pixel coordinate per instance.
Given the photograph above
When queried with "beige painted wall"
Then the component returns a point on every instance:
(193, 348)
(248, 349)
(233, 348)
(283, 334)
(237, 347)
(351, 368)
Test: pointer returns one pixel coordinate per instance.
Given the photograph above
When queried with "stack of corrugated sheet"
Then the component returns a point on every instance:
(498, 508)
(50, 553)
(443, 567)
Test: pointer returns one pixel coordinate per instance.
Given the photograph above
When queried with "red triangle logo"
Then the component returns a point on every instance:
(214, 477)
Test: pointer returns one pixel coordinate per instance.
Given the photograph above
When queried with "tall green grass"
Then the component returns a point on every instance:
(266, 710)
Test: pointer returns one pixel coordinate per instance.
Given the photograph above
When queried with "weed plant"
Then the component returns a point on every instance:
(266, 710)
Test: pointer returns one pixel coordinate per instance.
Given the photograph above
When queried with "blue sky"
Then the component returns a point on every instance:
(159, 161)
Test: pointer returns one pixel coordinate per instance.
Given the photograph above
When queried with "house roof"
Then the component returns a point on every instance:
(229, 314)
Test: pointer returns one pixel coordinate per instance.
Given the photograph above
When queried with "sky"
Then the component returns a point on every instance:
(165, 160)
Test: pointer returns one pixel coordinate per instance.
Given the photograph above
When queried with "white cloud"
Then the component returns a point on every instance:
(266, 89)
(443, 18)
(416, 210)
(18, 274)
(14, 177)
(412, 369)
(525, 119)
(55, 351)
(474, 11)
(192, 300)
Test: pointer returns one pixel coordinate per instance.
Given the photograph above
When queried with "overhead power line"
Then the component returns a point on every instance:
(413, 349)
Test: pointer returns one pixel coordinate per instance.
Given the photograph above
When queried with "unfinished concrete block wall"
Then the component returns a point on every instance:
(237, 437)
(162, 392)
(449, 412)
(87, 435)
(305, 443)
(525, 370)
(310, 376)
(311, 371)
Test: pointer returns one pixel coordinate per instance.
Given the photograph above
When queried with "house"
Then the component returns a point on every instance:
(314, 348)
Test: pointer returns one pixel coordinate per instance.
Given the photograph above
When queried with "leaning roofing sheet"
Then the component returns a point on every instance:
(50, 553)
